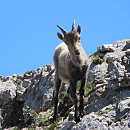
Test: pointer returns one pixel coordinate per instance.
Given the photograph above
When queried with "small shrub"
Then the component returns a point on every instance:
(98, 59)
(89, 87)
(28, 72)
(127, 42)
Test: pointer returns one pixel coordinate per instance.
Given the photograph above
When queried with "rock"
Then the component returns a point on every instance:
(27, 75)
(122, 108)
(4, 79)
(38, 95)
(33, 90)
(26, 82)
(127, 51)
(7, 91)
(105, 112)
(126, 47)
(68, 125)
(20, 76)
(107, 106)
(120, 43)
(8, 94)
(20, 93)
(89, 122)
(106, 48)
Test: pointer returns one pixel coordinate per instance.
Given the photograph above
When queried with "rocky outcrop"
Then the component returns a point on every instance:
(23, 93)
(105, 48)
(38, 96)
(26, 100)
(108, 105)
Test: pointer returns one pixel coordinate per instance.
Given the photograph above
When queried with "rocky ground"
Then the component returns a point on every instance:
(26, 101)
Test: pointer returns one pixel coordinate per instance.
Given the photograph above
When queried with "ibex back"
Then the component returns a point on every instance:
(71, 63)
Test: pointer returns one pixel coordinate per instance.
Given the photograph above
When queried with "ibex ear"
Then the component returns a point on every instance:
(79, 29)
(60, 36)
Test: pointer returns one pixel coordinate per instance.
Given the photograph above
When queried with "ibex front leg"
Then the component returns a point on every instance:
(56, 91)
(81, 92)
(72, 92)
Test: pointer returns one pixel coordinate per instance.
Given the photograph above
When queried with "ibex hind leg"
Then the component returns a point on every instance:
(56, 91)
(72, 92)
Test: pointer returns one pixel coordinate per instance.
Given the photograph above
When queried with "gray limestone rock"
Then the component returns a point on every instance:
(26, 82)
(107, 106)
(38, 95)
(106, 48)
(7, 90)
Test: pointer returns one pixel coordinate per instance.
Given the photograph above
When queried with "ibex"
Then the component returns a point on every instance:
(71, 63)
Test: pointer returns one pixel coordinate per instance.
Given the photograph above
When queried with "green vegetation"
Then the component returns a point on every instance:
(28, 72)
(15, 128)
(33, 114)
(65, 97)
(105, 111)
(98, 59)
(44, 120)
(108, 109)
(89, 87)
(52, 127)
(60, 118)
(31, 129)
(14, 81)
(65, 105)
(127, 42)
(116, 120)
(67, 113)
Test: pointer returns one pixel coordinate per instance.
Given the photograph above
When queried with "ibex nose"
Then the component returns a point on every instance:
(77, 52)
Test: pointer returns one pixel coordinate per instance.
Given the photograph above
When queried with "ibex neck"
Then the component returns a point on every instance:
(78, 60)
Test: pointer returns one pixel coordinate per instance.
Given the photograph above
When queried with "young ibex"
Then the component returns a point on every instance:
(71, 63)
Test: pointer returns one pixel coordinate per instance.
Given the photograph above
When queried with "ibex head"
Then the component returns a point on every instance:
(71, 39)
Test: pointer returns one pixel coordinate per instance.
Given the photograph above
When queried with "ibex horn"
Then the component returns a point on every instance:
(73, 26)
(63, 31)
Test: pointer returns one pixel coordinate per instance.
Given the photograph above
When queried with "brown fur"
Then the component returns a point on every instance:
(71, 64)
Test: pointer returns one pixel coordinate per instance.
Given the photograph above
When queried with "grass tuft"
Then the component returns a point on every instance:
(98, 59)
(89, 87)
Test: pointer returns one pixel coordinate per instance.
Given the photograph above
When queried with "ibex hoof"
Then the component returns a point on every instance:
(54, 120)
(82, 114)
(77, 120)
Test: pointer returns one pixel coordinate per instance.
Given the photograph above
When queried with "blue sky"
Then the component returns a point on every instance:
(28, 29)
